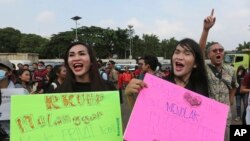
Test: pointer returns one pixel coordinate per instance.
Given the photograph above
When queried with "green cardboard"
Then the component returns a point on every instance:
(88, 116)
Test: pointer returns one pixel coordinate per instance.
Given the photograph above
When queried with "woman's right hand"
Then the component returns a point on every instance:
(134, 86)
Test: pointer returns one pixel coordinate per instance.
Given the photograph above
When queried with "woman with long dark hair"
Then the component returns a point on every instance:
(82, 71)
(188, 70)
(24, 81)
(189, 67)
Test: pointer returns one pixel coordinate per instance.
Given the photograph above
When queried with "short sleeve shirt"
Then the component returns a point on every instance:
(218, 88)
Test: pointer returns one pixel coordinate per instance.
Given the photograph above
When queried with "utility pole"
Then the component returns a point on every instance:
(75, 19)
(130, 44)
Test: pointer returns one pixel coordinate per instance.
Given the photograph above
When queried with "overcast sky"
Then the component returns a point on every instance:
(164, 18)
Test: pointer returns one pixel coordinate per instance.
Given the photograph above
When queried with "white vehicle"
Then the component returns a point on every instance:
(52, 62)
(122, 66)
(22, 62)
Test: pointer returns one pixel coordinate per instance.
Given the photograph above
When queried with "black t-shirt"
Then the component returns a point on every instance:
(86, 87)
(189, 85)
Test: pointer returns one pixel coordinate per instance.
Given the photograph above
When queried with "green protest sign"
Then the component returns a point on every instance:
(90, 116)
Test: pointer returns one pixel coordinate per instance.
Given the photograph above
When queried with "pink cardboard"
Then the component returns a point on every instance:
(167, 112)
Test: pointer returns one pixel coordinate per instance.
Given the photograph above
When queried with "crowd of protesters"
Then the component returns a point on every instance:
(82, 72)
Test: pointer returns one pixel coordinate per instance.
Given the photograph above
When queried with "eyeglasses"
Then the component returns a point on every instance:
(220, 50)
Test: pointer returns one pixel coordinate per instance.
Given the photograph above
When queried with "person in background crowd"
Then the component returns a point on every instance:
(49, 68)
(148, 64)
(14, 73)
(82, 71)
(102, 70)
(113, 75)
(26, 67)
(241, 71)
(107, 71)
(123, 80)
(126, 76)
(49, 77)
(159, 72)
(40, 77)
(59, 75)
(140, 63)
(137, 68)
(188, 70)
(20, 66)
(245, 89)
(34, 67)
(24, 81)
(221, 77)
(120, 85)
(6, 69)
(167, 71)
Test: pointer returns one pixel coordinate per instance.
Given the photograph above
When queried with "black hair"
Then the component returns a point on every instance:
(112, 62)
(97, 83)
(41, 62)
(152, 61)
(19, 81)
(241, 68)
(198, 74)
(100, 61)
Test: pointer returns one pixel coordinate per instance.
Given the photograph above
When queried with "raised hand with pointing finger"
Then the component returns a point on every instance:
(209, 21)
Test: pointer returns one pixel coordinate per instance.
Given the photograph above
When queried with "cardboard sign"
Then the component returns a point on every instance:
(5, 105)
(86, 116)
(167, 112)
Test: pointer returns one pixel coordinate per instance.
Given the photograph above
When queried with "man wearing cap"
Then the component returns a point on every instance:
(6, 69)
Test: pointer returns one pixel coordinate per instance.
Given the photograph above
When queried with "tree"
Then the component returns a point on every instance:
(151, 44)
(245, 45)
(168, 47)
(9, 40)
(31, 43)
(58, 44)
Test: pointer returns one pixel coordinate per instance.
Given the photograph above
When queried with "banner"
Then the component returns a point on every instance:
(5, 105)
(166, 112)
(89, 116)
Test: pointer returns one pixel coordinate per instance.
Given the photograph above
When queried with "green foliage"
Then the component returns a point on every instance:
(9, 40)
(245, 45)
(31, 43)
(168, 47)
(106, 42)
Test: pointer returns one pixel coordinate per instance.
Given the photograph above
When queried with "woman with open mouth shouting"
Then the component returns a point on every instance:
(82, 71)
(188, 70)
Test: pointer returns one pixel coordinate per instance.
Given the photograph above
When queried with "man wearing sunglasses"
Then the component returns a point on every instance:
(221, 77)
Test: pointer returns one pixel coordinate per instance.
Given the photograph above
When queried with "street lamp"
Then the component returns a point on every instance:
(75, 19)
(130, 44)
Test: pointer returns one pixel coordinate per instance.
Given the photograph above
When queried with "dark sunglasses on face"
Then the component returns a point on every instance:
(220, 50)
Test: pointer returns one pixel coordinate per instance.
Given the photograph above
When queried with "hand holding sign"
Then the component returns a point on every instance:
(86, 116)
(166, 112)
(209, 21)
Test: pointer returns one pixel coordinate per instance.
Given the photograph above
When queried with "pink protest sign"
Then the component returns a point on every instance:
(167, 112)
